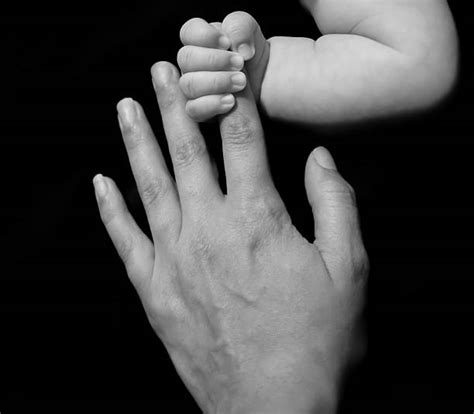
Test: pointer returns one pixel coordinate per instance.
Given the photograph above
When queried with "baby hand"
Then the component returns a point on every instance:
(212, 73)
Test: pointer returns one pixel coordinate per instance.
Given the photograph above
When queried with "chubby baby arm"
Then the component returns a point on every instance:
(375, 59)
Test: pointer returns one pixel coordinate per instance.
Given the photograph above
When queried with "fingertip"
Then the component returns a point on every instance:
(195, 21)
(237, 19)
(194, 114)
(237, 61)
(123, 102)
(240, 27)
(100, 185)
(126, 110)
(239, 81)
(198, 32)
(227, 102)
(324, 158)
(163, 72)
(207, 107)
(97, 177)
(109, 181)
(224, 42)
(246, 51)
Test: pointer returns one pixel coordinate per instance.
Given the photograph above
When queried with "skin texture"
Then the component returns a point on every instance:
(375, 59)
(256, 318)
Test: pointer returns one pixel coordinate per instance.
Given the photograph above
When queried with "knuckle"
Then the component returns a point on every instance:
(154, 189)
(133, 136)
(168, 99)
(238, 131)
(188, 85)
(272, 215)
(124, 249)
(169, 311)
(200, 246)
(216, 84)
(188, 151)
(202, 250)
(339, 190)
(212, 60)
(259, 222)
(263, 214)
(123, 245)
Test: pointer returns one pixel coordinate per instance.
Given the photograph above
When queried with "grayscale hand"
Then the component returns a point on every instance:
(255, 318)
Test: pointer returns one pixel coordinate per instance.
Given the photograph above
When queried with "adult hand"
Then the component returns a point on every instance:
(254, 317)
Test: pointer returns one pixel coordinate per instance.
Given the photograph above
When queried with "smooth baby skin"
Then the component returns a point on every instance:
(376, 58)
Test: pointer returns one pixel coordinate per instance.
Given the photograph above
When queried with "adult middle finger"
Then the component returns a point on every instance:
(195, 179)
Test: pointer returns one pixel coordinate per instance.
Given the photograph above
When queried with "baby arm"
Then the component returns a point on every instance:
(375, 58)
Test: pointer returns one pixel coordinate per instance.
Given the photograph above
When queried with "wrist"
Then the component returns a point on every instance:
(297, 400)
(281, 386)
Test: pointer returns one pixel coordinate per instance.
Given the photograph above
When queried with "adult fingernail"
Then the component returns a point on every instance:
(246, 51)
(100, 185)
(224, 42)
(161, 73)
(228, 100)
(127, 111)
(237, 61)
(239, 79)
(324, 158)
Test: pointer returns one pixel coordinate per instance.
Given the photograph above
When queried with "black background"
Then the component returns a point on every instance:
(73, 335)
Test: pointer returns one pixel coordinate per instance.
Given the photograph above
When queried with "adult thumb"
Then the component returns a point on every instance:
(336, 222)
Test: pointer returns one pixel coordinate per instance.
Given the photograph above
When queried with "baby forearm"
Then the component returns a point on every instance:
(341, 78)
(385, 64)
(338, 77)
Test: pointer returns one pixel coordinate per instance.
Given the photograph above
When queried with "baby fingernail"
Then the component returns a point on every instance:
(246, 51)
(224, 42)
(239, 79)
(100, 185)
(237, 62)
(228, 100)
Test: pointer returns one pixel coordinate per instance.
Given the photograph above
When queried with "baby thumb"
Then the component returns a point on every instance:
(244, 33)
(336, 222)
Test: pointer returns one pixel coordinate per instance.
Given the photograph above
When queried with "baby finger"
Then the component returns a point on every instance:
(197, 84)
(206, 107)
